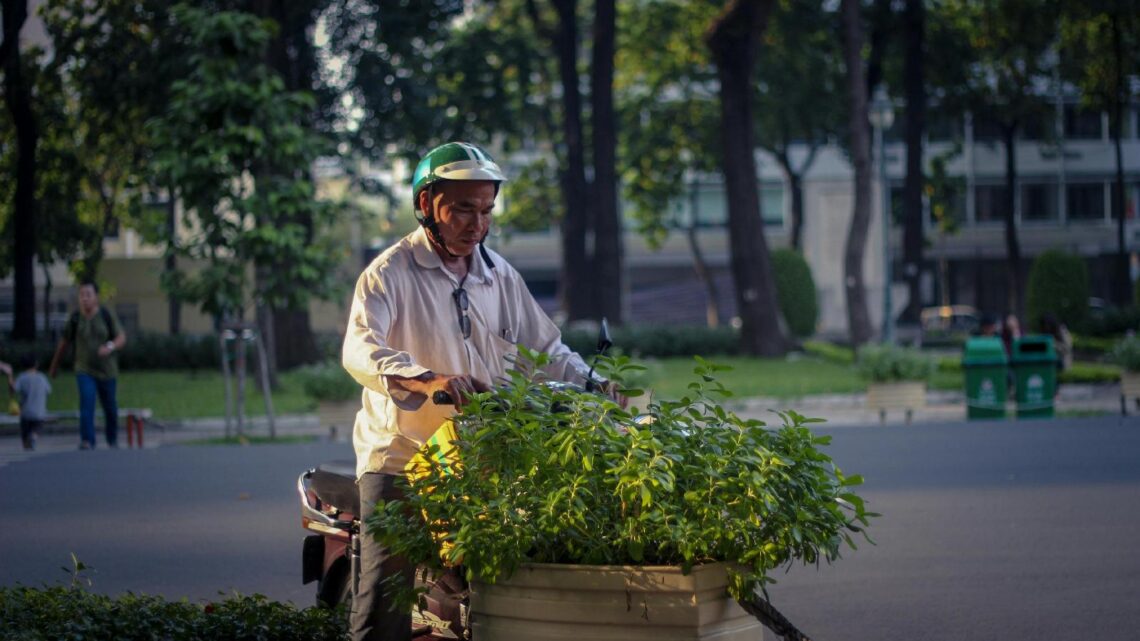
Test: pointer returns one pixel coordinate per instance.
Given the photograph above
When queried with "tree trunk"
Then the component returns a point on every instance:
(46, 269)
(288, 335)
(858, 318)
(1012, 245)
(607, 231)
(914, 86)
(17, 99)
(732, 38)
(576, 294)
(1123, 290)
(170, 263)
(712, 296)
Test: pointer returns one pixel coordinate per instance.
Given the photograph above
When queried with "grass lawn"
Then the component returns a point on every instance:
(196, 394)
(780, 378)
(183, 394)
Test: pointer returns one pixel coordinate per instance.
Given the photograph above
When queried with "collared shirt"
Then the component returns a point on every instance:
(404, 322)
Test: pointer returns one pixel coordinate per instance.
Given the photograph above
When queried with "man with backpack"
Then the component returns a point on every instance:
(98, 337)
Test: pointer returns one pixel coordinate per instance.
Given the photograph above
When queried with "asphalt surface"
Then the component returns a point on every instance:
(1011, 530)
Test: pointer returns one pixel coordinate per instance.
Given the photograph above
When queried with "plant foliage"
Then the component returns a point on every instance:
(795, 289)
(1058, 284)
(328, 381)
(891, 363)
(1126, 353)
(559, 476)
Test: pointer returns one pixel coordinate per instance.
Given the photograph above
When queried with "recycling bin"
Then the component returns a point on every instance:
(1034, 363)
(984, 365)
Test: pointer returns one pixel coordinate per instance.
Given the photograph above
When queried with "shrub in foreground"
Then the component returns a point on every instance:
(54, 613)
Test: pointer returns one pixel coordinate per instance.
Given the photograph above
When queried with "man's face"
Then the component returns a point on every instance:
(88, 299)
(462, 212)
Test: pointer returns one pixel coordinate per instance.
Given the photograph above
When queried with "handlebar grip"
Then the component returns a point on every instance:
(440, 397)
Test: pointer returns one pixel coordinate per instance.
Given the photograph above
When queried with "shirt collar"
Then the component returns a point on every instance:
(424, 253)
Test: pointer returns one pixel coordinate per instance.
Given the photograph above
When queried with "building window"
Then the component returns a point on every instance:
(1039, 202)
(1039, 125)
(1131, 190)
(989, 203)
(1082, 124)
(1085, 201)
(772, 205)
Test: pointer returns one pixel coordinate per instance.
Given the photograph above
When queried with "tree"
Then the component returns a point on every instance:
(733, 38)
(858, 318)
(914, 90)
(800, 87)
(233, 143)
(17, 100)
(1009, 44)
(1100, 44)
(669, 122)
(98, 54)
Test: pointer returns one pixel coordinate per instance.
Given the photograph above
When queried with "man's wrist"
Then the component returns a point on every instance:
(110, 345)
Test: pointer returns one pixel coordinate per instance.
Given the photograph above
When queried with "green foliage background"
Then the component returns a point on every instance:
(1058, 283)
(795, 288)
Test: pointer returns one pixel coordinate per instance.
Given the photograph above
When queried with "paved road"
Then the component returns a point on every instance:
(989, 531)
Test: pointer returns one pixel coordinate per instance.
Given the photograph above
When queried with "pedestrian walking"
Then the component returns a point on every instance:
(98, 337)
(31, 388)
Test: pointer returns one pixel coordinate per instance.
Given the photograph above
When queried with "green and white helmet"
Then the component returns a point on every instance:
(454, 161)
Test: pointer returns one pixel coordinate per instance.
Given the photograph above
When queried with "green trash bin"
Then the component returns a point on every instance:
(1035, 375)
(984, 364)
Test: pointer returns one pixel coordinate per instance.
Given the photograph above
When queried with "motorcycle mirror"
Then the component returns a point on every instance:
(604, 341)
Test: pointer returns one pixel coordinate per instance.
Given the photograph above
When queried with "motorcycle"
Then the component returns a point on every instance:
(330, 508)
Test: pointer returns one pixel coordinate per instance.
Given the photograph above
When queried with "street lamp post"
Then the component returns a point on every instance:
(882, 116)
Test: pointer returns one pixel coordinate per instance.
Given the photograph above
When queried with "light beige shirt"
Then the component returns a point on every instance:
(404, 322)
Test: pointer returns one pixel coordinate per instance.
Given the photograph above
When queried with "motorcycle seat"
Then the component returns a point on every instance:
(335, 484)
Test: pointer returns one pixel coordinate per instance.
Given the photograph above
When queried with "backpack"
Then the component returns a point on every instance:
(73, 324)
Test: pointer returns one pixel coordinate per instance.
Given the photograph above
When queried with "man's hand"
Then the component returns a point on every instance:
(610, 389)
(459, 387)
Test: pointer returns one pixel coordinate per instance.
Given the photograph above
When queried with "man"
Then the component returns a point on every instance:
(98, 337)
(435, 312)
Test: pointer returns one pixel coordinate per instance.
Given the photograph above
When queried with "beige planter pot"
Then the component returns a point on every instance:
(903, 395)
(339, 415)
(610, 603)
(1129, 389)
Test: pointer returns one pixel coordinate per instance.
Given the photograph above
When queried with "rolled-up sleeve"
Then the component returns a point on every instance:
(366, 354)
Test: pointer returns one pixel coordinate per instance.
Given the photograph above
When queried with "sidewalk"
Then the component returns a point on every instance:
(941, 406)
(836, 409)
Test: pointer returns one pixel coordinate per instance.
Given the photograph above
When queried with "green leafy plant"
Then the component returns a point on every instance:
(1126, 353)
(795, 290)
(1058, 284)
(830, 352)
(328, 382)
(71, 612)
(561, 476)
(892, 363)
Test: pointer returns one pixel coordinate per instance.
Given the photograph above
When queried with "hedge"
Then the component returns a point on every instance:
(1058, 284)
(659, 341)
(795, 290)
(54, 613)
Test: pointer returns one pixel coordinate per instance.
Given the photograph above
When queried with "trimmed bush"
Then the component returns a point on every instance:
(1058, 283)
(795, 290)
(830, 352)
(48, 614)
(328, 381)
(891, 363)
(1090, 373)
(659, 341)
(1126, 353)
(1113, 322)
